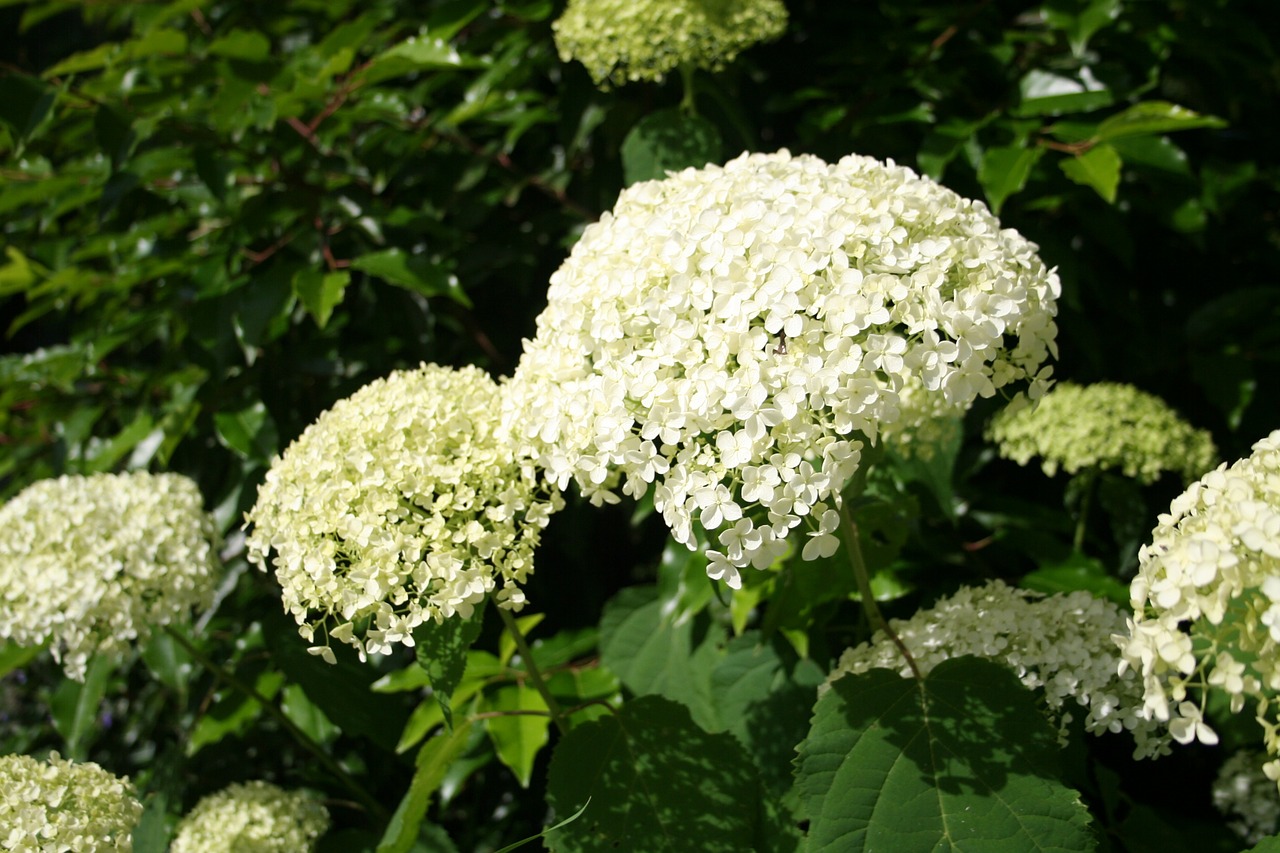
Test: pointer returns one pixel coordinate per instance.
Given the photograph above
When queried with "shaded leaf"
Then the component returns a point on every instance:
(441, 652)
(412, 272)
(518, 738)
(667, 141)
(433, 760)
(1154, 117)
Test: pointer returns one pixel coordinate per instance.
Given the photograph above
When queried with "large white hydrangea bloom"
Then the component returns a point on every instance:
(94, 564)
(59, 805)
(1060, 645)
(625, 40)
(252, 817)
(1106, 425)
(400, 504)
(1206, 600)
(730, 335)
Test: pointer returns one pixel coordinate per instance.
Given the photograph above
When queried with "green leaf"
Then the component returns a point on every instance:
(1154, 117)
(1099, 168)
(656, 782)
(74, 707)
(247, 45)
(103, 457)
(15, 657)
(1046, 94)
(1077, 572)
(250, 432)
(668, 141)
(320, 292)
(441, 652)
(234, 713)
(114, 134)
(964, 760)
(1005, 170)
(433, 760)
(518, 738)
(1081, 20)
(24, 103)
(168, 661)
(412, 272)
(416, 54)
(306, 715)
(652, 651)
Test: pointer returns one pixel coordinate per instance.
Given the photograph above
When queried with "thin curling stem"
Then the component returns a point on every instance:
(557, 716)
(304, 740)
(853, 548)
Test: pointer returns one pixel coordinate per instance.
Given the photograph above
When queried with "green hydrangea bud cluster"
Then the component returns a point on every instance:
(1061, 645)
(627, 40)
(400, 504)
(1107, 426)
(1245, 796)
(59, 805)
(94, 564)
(252, 817)
(1206, 601)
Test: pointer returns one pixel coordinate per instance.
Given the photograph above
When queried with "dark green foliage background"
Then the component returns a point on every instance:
(218, 218)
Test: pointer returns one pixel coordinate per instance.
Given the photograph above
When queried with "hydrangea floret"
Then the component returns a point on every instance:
(1206, 601)
(620, 41)
(400, 504)
(1243, 793)
(1104, 426)
(252, 817)
(730, 336)
(60, 805)
(1060, 645)
(92, 564)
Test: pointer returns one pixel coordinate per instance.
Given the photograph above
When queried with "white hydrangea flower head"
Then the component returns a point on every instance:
(92, 564)
(730, 336)
(1107, 426)
(1206, 600)
(400, 504)
(1243, 793)
(252, 817)
(620, 41)
(61, 805)
(1060, 645)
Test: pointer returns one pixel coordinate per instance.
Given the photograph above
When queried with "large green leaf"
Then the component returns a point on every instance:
(74, 707)
(667, 141)
(1153, 117)
(1005, 170)
(433, 761)
(963, 760)
(441, 650)
(1098, 168)
(412, 272)
(656, 782)
(519, 735)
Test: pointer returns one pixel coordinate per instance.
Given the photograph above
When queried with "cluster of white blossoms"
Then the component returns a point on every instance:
(94, 564)
(400, 504)
(1107, 426)
(58, 805)
(1206, 601)
(731, 335)
(1060, 644)
(1244, 794)
(252, 817)
(627, 40)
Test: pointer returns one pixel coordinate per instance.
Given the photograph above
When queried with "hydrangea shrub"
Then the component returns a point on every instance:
(731, 335)
(252, 817)
(621, 41)
(93, 564)
(1107, 426)
(403, 502)
(1206, 601)
(1060, 645)
(60, 805)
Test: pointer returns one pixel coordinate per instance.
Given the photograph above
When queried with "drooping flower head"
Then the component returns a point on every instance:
(730, 335)
(61, 805)
(252, 817)
(1206, 600)
(94, 564)
(627, 40)
(400, 504)
(1105, 426)
(1060, 645)
(1249, 800)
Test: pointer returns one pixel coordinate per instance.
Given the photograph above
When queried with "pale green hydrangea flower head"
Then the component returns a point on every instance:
(59, 805)
(1206, 601)
(1107, 426)
(1060, 645)
(620, 41)
(1249, 800)
(252, 817)
(730, 335)
(400, 504)
(94, 564)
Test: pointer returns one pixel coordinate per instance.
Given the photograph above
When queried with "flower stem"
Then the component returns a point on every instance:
(535, 676)
(687, 102)
(1090, 486)
(304, 740)
(853, 547)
